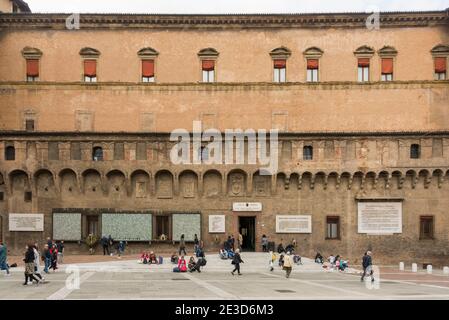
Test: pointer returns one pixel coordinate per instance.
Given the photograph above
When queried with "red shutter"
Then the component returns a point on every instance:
(440, 64)
(90, 68)
(148, 68)
(363, 62)
(208, 65)
(280, 63)
(32, 67)
(312, 64)
(387, 65)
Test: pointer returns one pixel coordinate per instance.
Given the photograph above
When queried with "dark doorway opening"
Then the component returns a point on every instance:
(162, 226)
(247, 228)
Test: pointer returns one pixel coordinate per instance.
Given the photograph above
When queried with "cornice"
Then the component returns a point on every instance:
(7, 87)
(114, 135)
(167, 21)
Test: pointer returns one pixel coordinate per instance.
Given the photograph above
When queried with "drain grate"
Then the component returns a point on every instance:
(285, 291)
(178, 279)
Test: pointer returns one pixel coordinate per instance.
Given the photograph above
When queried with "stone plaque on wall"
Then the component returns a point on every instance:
(379, 217)
(67, 226)
(294, 224)
(217, 224)
(127, 226)
(26, 222)
(187, 224)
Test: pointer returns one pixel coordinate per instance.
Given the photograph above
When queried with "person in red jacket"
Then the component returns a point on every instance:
(182, 265)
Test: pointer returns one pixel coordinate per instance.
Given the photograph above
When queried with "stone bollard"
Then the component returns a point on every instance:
(446, 270)
(401, 266)
(429, 269)
(414, 267)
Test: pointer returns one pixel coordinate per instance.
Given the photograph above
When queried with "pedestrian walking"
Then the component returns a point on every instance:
(233, 242)
(111, 244)
(236, 262)
(54, 258)
(29, 265)
(60, 247)
(4, 259)
(182, 245)
(240, 241)
(264, 243)
(272, 260)
(367, 264)
(121, 248)
(105, 244)
(37, 267)
(288, 264)
(46, 256)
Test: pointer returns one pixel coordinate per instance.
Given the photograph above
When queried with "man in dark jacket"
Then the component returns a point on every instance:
(105, 244)
(236, 262)
(367, 264)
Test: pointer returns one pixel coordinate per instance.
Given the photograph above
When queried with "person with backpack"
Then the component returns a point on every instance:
(182, 245)
(288, 264)
(367, 264)
(4, 259)
(236, 262)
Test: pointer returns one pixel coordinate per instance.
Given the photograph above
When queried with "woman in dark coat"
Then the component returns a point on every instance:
(29, 265)
(236, 262)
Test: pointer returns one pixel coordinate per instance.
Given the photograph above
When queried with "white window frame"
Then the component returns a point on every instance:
(312, 75)
(387, 77)
(280, 75)
(363, 74)
(147, 79)
(208, 76)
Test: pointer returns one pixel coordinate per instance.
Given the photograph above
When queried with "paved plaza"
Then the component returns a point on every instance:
(126, 279)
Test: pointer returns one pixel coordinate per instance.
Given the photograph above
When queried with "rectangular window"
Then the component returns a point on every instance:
(53, 151)
(75, 151)
(280, 70)
(387, 69)
(29, 125)
(147, 70)
(92, 225)
(28, 196)
(90, 71)
(333, 227)
(426, 226)
(141, 151)
(32, 70)
(119, 151)
(312, 70)
(363, 70)
(208, 68)
(440, 68)
(308, 153)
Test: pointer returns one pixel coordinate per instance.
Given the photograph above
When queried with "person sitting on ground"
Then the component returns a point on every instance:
(230, 254)
(297, 259)
(281, 260)
(343, 264)
(182, 266)
(223, 254)
(191, 264)
(152, 258)
(174, 258)
(319, 258)
(281, 248)
(331, 259)
(144, 258)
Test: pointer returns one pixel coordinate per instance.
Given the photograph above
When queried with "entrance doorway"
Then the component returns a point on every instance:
(247, 228)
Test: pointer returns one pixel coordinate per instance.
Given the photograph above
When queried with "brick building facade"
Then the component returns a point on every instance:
(86, 116)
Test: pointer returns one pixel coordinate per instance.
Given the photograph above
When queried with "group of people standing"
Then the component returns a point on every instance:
(51, 255)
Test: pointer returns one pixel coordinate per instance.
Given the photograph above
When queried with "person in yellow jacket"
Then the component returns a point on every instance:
(288, 264)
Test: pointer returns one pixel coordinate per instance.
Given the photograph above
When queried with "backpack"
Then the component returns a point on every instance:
(176, 269)
(202, 262)
(161, 260)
